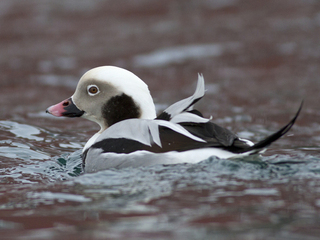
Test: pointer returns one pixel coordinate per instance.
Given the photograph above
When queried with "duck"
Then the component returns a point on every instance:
(132, 134)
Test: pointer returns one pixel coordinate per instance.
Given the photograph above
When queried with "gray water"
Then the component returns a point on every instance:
(268, 197)
(259, 60)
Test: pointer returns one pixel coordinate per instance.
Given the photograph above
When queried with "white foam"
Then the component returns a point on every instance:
(178, 54)
(61, 197)
(55, 80)
(261, 191)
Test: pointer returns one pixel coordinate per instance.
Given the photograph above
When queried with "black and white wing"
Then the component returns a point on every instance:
(184, 105)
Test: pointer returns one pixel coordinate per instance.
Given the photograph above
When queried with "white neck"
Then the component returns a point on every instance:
(91, 141)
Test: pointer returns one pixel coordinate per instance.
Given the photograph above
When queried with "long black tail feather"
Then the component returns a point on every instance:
(273, 137)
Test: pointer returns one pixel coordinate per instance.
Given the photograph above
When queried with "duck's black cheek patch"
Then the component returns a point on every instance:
(119, 108)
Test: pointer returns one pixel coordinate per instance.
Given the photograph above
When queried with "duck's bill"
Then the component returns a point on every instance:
(65, 108)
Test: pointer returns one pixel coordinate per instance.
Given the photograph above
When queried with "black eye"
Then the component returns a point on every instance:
(93, 90)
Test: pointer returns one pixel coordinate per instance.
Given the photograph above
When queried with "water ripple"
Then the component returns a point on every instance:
(21, 130)
(46, 176)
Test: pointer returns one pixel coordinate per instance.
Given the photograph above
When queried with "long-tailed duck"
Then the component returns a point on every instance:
(132, 135)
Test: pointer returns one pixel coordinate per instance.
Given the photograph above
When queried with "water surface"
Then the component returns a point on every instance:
(259, 61)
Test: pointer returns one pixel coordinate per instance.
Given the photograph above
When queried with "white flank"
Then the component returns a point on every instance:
(101, 161)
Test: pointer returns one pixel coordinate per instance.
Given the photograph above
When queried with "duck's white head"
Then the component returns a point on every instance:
(107, 95)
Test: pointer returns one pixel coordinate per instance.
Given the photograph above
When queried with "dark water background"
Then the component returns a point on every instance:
(259, 60)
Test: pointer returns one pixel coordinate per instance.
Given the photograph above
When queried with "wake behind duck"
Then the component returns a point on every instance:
(131, 134)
